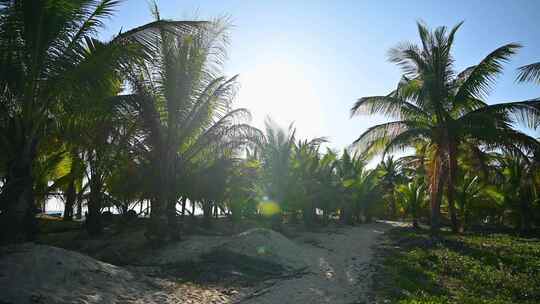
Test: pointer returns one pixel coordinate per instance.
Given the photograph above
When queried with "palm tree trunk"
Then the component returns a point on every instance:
(17, 202)
(450, 187)
(93, 222)
(173, 228)
(78, 214)
(184, 207)
(71, 196)
(414, 213)
(157, 231)
(207, 212)
(436, 185)
(392, 203)
(525, 211)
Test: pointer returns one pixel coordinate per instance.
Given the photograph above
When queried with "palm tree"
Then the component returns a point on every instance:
(185, 105)
(518, 187)
(43, 47)
(390, 177)
(469, 189)
(289, 168)
(328, 185)
(411, 196)
(432, 103)
(276, 154)
(358, 185)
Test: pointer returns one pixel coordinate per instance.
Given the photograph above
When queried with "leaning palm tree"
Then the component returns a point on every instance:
(185, 105)
(432, 103)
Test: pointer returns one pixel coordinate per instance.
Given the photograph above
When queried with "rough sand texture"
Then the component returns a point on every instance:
(338, 268)
(260, 244)
(334, 269)
(32, 273)
(41, 274)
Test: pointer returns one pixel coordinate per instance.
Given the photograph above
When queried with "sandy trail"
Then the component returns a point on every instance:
(328, 266)
(338, 270)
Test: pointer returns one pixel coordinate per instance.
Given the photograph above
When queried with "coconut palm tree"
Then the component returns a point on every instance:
(185, 105)
(518, 189)
(44, 59)
(358, 187)
(276, 153)
(289, 168)
(391, 175)
(432, 103)
(411, 196)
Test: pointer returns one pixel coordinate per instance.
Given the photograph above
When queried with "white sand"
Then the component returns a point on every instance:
(32, 273)
(339, 269)
(334, 263)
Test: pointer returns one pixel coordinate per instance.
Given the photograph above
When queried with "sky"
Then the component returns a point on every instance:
(308, 61)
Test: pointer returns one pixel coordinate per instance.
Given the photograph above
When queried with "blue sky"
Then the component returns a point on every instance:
(308, 61)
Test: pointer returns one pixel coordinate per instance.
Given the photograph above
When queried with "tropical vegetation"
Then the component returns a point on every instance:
(144, 125)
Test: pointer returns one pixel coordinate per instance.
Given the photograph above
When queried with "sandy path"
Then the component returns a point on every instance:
(338, 269)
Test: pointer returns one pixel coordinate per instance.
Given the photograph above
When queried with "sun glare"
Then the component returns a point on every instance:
(285, 92)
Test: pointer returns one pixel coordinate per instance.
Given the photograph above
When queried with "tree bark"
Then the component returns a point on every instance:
(436, 185)
(71, 196)
(159, 217)
(414, 213)
(78, 215)
(450, 187)
(172, 219)
(93, 221)
(525, 220)
(17, 220)
(184, 207)
(207, 212)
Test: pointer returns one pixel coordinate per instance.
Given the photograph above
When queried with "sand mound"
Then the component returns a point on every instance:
(255, 250)
(32, 273)
(267, 246)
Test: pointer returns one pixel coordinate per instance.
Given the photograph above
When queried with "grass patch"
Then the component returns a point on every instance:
(470, 268)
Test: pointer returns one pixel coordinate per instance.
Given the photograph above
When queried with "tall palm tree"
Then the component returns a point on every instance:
(432, 103)
(185, 104)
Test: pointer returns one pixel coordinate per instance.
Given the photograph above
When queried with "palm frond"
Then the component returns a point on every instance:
(526, 112)
(530, 72)
(389, 106)
(480, 78)
(376, 138)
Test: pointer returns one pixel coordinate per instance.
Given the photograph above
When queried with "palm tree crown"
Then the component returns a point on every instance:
(434, 103)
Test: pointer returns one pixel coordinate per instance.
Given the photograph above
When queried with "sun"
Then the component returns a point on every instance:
(287, 93)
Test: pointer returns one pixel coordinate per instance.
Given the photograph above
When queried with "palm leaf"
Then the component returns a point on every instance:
(530, 72)
(480, 78)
